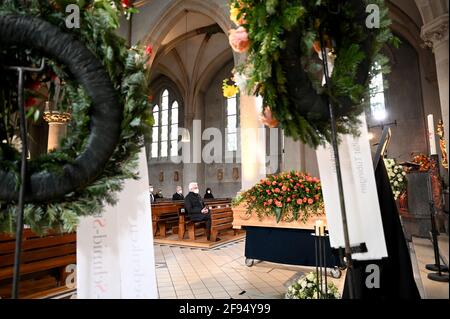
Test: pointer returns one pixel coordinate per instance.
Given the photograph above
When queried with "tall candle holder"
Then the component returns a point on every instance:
(437, 266)
(321, 261)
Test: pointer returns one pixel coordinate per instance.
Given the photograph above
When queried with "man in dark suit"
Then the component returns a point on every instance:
(196, 209)
(179, 194)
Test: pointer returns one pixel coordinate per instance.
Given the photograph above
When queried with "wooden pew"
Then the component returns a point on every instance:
(165, 214)
(43, 261)
(221, 217)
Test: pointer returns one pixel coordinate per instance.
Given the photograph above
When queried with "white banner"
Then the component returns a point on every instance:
(360, 194)
(115, 254)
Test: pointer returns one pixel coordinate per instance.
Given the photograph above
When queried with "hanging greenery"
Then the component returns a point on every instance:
(126, 68)
(283, 45)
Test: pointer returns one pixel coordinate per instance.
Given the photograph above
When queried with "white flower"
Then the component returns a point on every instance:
(404, 173)
(395, 183)
(400, 179)
(311, 276)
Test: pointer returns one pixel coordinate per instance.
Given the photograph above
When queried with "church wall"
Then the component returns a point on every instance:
(215, 116)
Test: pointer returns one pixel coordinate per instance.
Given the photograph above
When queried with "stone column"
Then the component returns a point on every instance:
(57, 128)
(435, 35)
(253, 142)
(294, 155)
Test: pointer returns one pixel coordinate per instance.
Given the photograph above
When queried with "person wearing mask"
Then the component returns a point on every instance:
(196, 209)
(152, 197)
(159, 194)
(208, 194)
(179, 194)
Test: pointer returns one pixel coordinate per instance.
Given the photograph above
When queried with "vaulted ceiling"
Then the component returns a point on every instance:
(193, 47)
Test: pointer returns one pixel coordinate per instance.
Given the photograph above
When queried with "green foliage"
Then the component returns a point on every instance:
(127, 70)
(267, 23)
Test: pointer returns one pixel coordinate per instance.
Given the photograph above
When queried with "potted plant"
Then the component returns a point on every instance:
(289, 200)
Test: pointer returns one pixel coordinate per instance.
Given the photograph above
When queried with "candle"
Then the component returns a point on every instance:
(319, 228)
(431, 136)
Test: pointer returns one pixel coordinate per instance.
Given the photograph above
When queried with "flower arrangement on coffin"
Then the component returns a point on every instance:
(288, 197)
(397, 177)
(307, 288)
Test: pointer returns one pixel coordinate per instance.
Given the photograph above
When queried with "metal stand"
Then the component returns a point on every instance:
(321, 265)
(23, 172)
(434, 232)
(348, 253)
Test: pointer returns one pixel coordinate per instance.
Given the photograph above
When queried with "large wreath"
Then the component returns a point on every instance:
(282, 42)
(105, 88)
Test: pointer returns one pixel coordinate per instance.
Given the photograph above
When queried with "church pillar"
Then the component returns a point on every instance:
(435, 35)
(253, 142)
(293, 155)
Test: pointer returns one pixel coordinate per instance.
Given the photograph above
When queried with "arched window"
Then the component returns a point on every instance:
(165, 129)
(232, 124)
(377, 101)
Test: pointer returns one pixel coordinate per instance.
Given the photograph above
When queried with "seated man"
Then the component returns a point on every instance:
(195, 207)
(179, 194)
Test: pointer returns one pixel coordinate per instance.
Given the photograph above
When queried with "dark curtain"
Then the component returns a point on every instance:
(396, 273)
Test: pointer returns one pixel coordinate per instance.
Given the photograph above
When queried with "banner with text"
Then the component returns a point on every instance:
(115, 253)
(360, 194)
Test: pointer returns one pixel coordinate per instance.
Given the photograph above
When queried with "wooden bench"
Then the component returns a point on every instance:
(164, 215)
(43, 261)
(221, 220)
(171, 214)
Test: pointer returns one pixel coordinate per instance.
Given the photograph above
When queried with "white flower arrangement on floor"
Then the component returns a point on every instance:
(397, 177)
(307, 288)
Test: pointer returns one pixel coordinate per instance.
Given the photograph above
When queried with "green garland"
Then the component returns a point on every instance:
(271, 24)
(127, 69)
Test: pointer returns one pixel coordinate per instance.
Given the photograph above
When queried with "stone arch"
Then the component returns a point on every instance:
(176, 10)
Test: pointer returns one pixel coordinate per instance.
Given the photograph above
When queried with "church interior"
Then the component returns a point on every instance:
(175, 221)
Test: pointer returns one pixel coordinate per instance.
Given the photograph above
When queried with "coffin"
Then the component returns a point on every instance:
(241, 218)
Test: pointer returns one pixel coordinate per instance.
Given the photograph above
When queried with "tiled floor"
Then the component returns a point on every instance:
(221, 273)
(424, 254)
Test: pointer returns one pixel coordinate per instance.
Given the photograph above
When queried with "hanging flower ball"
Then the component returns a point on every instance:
(239, 40)
(268, 119)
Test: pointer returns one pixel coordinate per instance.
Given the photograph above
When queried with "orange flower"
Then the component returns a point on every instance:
(239, 40)
(268, 119)
(310, 201)
(299, 201)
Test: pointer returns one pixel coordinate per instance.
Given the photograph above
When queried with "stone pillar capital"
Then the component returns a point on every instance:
(436, 31)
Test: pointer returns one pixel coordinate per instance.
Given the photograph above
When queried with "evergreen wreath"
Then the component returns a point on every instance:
(106, 87)
(282, 42)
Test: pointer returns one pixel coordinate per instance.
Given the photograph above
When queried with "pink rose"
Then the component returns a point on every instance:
(239, 40)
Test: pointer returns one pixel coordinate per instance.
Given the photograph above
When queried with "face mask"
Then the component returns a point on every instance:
(196, 191)
(180, 192)
(209, 192)
(151, 189)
